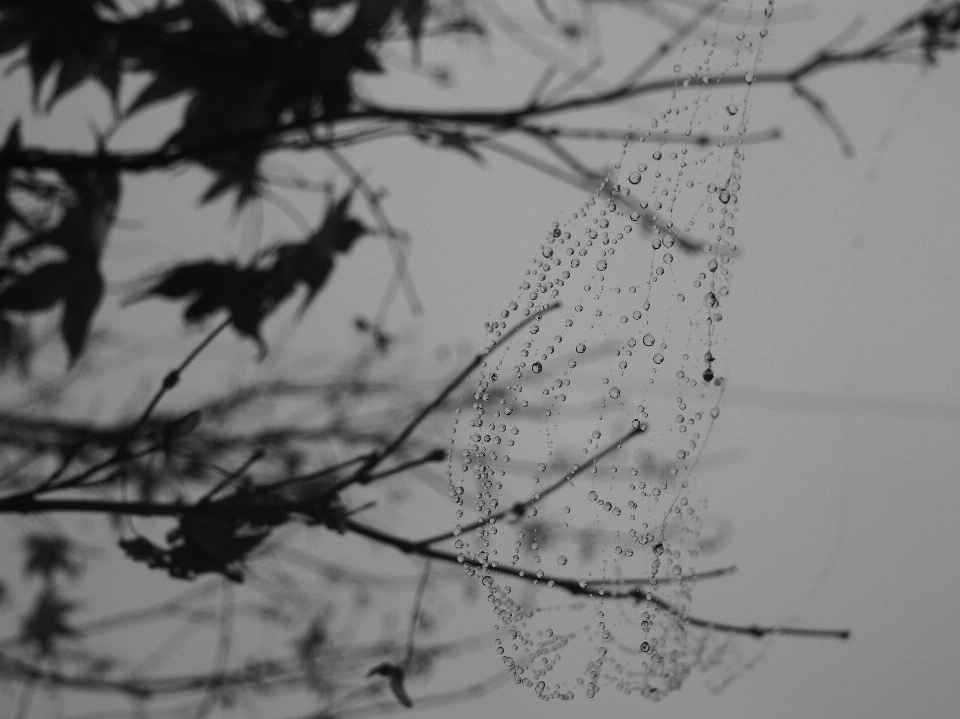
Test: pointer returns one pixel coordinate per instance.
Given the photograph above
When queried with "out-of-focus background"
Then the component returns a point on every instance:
(837, 446)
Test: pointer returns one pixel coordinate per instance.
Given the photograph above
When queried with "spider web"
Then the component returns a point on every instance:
(543, 485)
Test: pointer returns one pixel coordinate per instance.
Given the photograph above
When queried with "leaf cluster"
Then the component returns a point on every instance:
(57, 263)
(247, 78)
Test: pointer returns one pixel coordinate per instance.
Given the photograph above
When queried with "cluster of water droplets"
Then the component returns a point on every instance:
(573, 474)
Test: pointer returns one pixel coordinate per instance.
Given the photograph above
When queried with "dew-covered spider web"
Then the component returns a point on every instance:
(574, 473)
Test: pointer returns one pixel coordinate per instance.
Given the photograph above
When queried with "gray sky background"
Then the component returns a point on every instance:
(840, 340)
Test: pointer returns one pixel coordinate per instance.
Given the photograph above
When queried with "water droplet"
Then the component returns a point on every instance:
(592, 496)
(658, 358)
(561, 560)
(581, 348)
(614, 392)
(715, 412)
(710, 300)
(667, 258)
(548, 252)
(648, 340)
(572, 363)
(537, 368)
(634, 178)
(724, 196)
(602, 265)
(732, 109)
(708, 375)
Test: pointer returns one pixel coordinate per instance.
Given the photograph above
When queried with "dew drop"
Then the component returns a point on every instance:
(581, 348)
(658, 358)
(648, 340)
(602, 265)
(614, 392)
(561, 560)
(732, 109)
(537, 368)
(634, 178)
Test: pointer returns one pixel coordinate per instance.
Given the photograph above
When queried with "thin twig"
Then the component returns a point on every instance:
(415, 614)
(518, 508)
(362, 474)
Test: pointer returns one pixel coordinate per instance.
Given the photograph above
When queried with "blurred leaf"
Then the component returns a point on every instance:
(83, 229)
(188, 279)
(249, 294)
(16, 346)
(38, 290)
(182, 426)
(48, 621)
(396, 676)
(9, 213)
(451, 140)
(48, 554)
(203, 545)
(287, 14)
(80, 304)
(413, 13)
(161, 88)
(312, 260)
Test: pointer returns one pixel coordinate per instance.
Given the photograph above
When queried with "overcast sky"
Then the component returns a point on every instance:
(836, 447)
